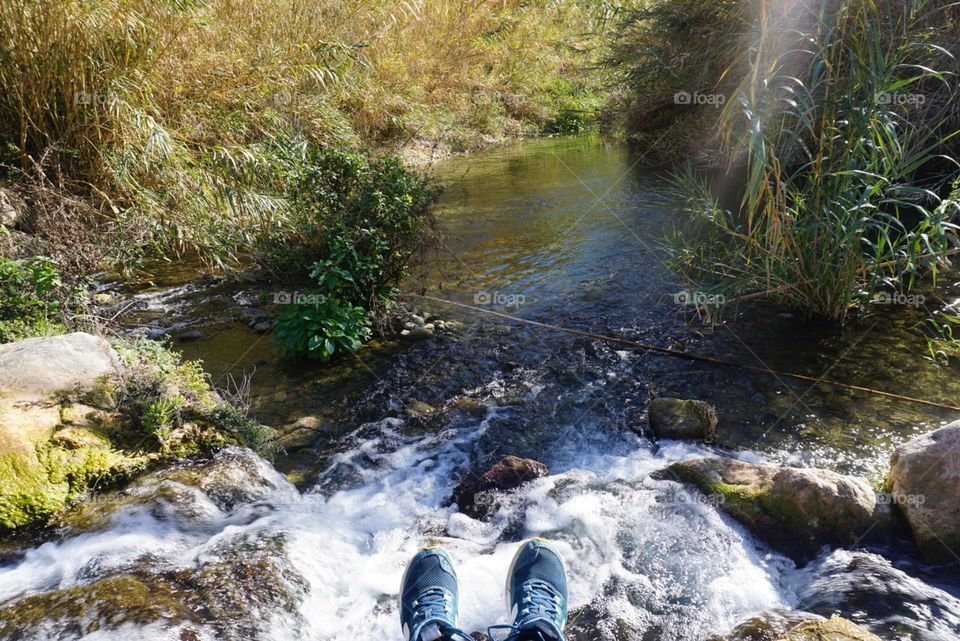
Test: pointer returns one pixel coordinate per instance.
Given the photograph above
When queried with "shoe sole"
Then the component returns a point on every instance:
(513, 564)
(456, 575)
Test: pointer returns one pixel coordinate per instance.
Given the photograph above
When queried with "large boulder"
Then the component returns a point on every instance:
(36, 368)
(677, 418)
(924, 484)
(50, 446)
(473, 496)
(796, 510)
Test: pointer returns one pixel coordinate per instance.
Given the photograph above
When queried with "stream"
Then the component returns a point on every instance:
(313, 545)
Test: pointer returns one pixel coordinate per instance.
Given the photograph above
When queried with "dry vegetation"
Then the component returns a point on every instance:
(171, 125)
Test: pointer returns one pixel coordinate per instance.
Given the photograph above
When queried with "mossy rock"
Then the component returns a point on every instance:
(796, 510)
(83, 609)
(237, 593)
(835, 629)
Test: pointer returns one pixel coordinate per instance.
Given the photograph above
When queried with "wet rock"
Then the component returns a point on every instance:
(263, 327)
(473, 494)
(834, 629)
(676, 418)
(770, 625)
(417, 333)
(192, 335)
(239, 591)
(299, 434)
(194, 490)
(796, 510)
(924, 483)
(467, 406)
(897, 605)
(419, 408)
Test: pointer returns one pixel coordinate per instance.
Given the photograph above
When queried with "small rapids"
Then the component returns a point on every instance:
(229, 548)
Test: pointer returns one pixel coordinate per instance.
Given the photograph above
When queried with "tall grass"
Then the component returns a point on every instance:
(841, 118)
(177, 122)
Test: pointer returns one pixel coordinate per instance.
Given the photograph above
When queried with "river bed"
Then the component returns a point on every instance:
(565, 232)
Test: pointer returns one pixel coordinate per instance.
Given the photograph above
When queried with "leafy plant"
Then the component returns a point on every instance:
(162, 415)
(356, 223)
(321, 329)
(33, 298)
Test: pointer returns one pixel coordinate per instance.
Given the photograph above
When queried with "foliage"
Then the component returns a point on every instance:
(177, 124)
(355, 223)
(841, 126)
(164, 394)
(33, 298)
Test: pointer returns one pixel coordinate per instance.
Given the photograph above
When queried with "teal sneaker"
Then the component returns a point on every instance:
(430, 598)
(536, 594)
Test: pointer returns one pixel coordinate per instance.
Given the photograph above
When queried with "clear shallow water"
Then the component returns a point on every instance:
(647, 559)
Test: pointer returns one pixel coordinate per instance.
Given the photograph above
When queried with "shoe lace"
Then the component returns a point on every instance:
(430, 603)
(539, 600)
(433, 603)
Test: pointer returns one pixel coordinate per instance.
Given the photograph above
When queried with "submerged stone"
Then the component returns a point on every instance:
(676, 418)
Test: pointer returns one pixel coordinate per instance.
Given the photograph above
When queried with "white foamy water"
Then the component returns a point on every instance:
(643, 551)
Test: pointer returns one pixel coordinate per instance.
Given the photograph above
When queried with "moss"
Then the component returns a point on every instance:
(119, 431)
(36, 487)
(84, 609)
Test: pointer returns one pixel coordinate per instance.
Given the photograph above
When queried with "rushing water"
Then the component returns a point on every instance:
(563, 232)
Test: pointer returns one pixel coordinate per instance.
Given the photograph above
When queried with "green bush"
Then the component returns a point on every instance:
(33, 298)
(355, 224)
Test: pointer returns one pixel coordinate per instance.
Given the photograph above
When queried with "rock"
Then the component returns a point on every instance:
(38, 367)
(769, 625)
(192, 490)
(419, 408)
(263, 327)
(192, 335)
(796, 510)
(510, 473)
(676, 418)
(228, 588)
(417, 332)
(8, 213)
(299, 434)
(792, 625)
(833, 629)
(39, 474)
(924, 483)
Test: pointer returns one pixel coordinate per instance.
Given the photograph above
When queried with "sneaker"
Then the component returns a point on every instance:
(537, 593)
(429, 598)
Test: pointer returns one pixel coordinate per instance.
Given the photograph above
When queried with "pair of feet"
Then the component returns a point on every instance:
(536, 594)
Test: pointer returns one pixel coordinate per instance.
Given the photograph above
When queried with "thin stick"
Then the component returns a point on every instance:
(700, 358)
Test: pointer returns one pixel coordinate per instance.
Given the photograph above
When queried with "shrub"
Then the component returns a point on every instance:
(356, 222)
(33, 299)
